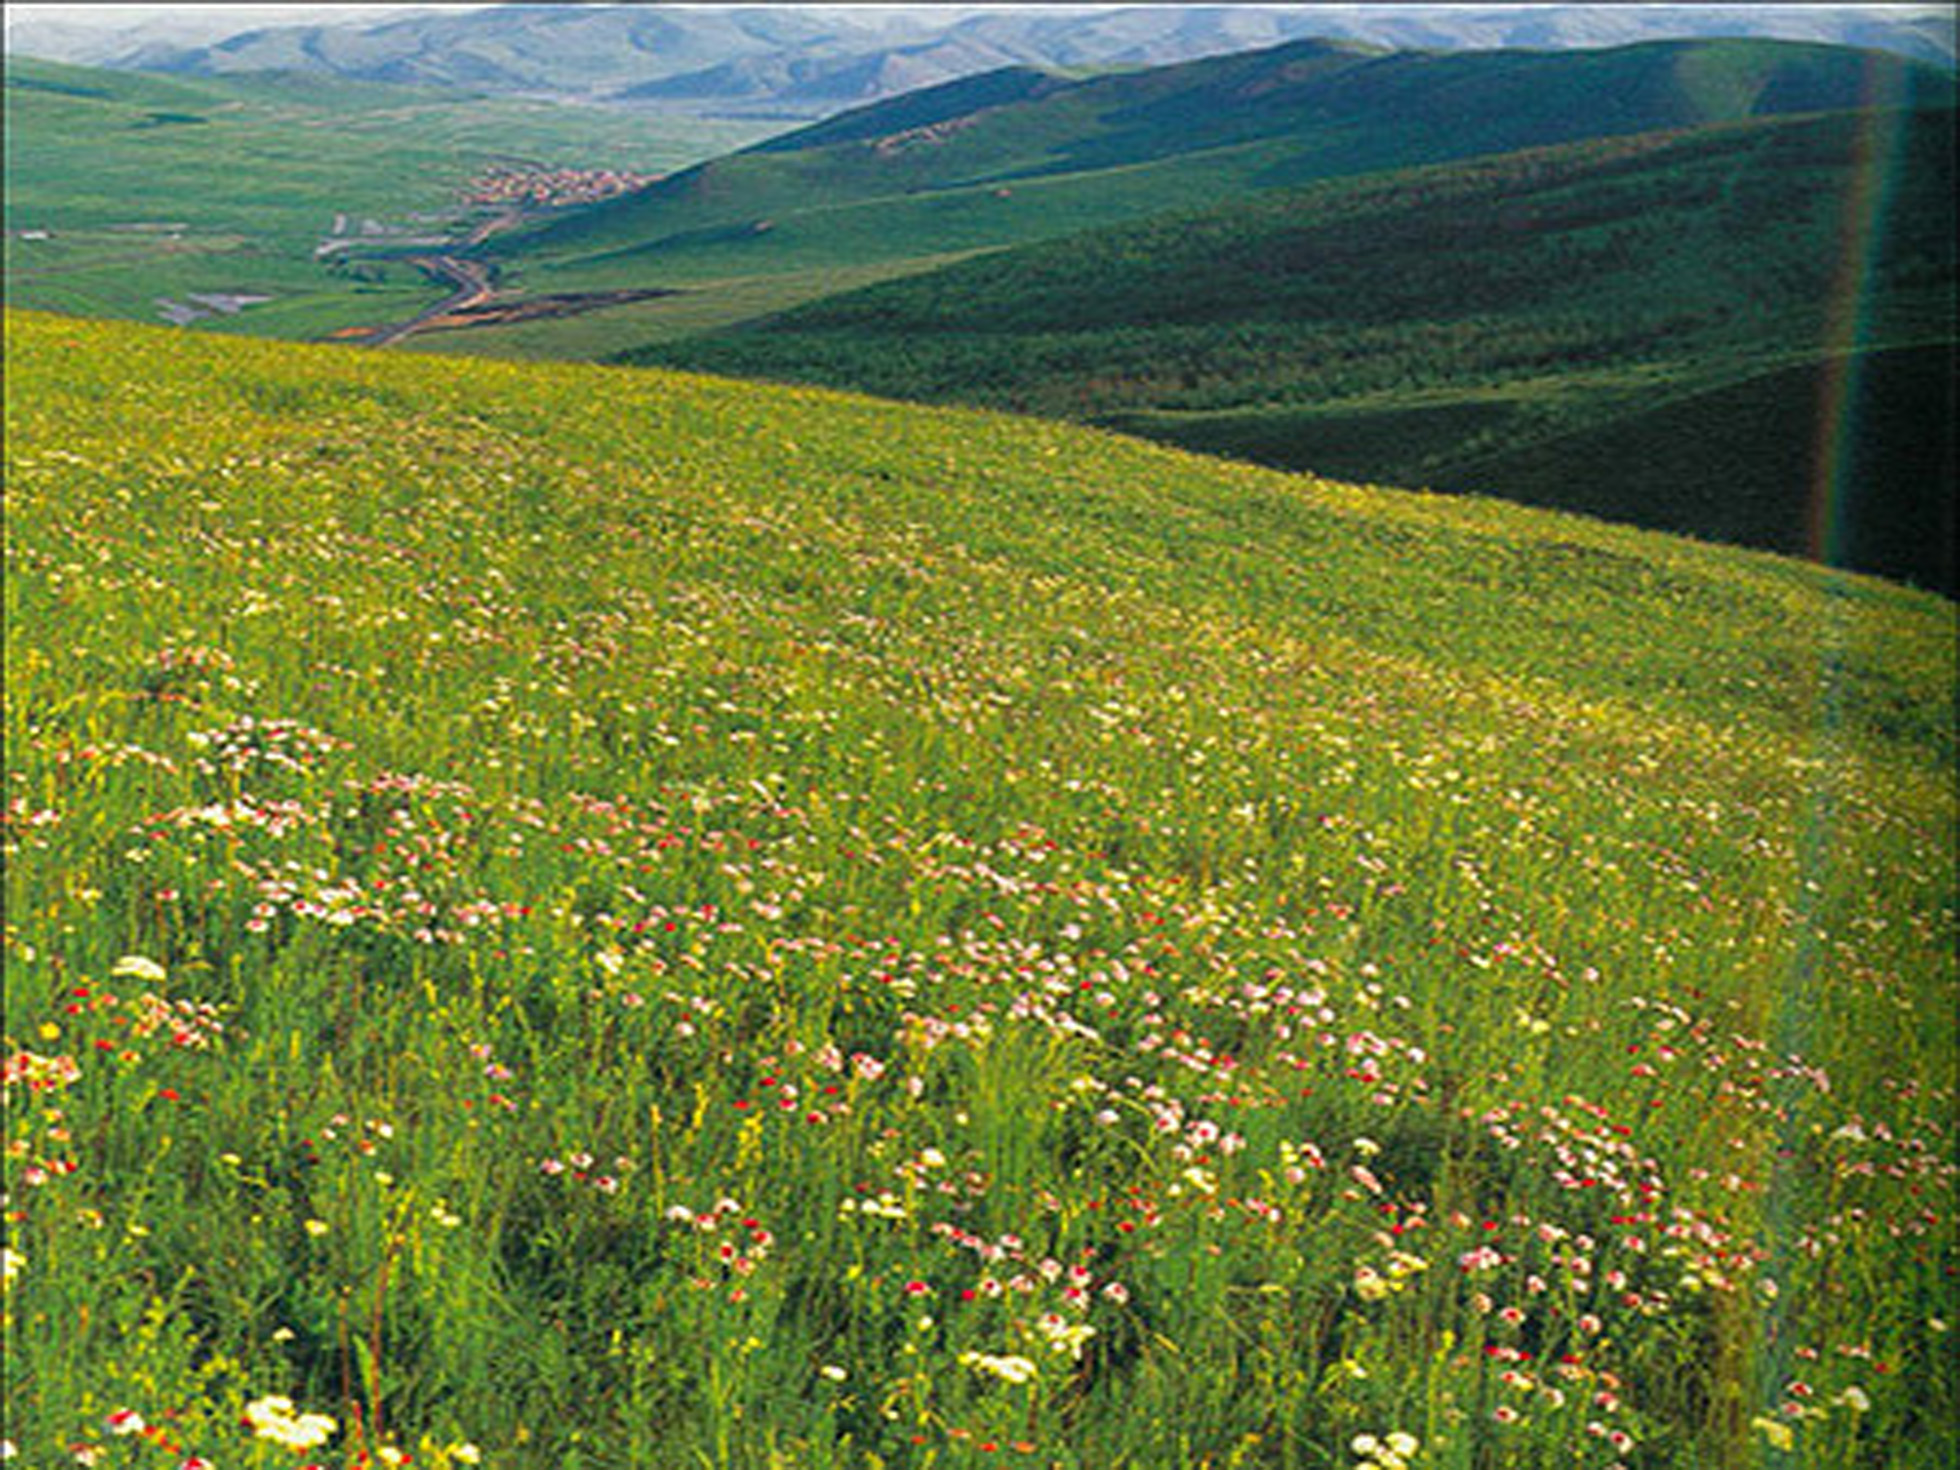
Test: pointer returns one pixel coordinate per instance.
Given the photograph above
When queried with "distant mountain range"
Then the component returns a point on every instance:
(812, 60)
(90, 37)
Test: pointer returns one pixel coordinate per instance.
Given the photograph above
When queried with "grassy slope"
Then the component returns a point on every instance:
(258, 167)
(1512, 324)
(1173, 871)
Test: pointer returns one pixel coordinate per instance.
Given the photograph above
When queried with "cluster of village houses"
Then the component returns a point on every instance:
(540, 187)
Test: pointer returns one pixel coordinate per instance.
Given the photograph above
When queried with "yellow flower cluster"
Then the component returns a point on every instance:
(1372, 1285)
(1007, 1369)
(1063, 1336)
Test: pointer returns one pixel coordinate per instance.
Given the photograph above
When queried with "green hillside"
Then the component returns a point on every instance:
(1013, 156)
(1569, 326)
(1742, 463)
(564, 917)
(252, 172)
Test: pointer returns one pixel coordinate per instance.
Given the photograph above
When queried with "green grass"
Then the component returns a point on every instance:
(259, 176)
(634, 920)
(702, 306)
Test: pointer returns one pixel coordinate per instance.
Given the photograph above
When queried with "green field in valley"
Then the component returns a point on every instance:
(571, 917)
(124, 187)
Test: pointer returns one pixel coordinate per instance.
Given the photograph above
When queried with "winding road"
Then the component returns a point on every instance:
(472, 281)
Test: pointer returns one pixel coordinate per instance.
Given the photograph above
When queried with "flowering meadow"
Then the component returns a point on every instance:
(572, 917)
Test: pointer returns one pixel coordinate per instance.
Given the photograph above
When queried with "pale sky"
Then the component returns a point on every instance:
(228, 19)
(108, 17)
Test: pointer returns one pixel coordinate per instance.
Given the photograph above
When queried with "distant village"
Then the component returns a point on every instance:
(549, 188)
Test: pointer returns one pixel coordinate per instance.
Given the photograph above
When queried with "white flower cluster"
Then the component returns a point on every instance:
(273, 1418)
(1390, 1452)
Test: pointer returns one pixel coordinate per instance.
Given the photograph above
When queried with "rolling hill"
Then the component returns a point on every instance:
(564, 917)
(1639, 328)
(1022, 154)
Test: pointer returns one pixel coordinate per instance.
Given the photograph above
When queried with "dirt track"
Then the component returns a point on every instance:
(493, 313)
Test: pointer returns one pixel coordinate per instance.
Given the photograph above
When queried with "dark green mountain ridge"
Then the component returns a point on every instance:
(1477, 326)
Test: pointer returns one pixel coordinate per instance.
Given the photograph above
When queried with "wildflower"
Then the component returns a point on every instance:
(1401, 1265)
(126, 1421)
(137, 967)
(465, 1454)
(1391, 1452)
(317, 1228)
(273, 1418)
(1063, 1336)
(1007, 1369)
(834, 1373)
(1778, 1434)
